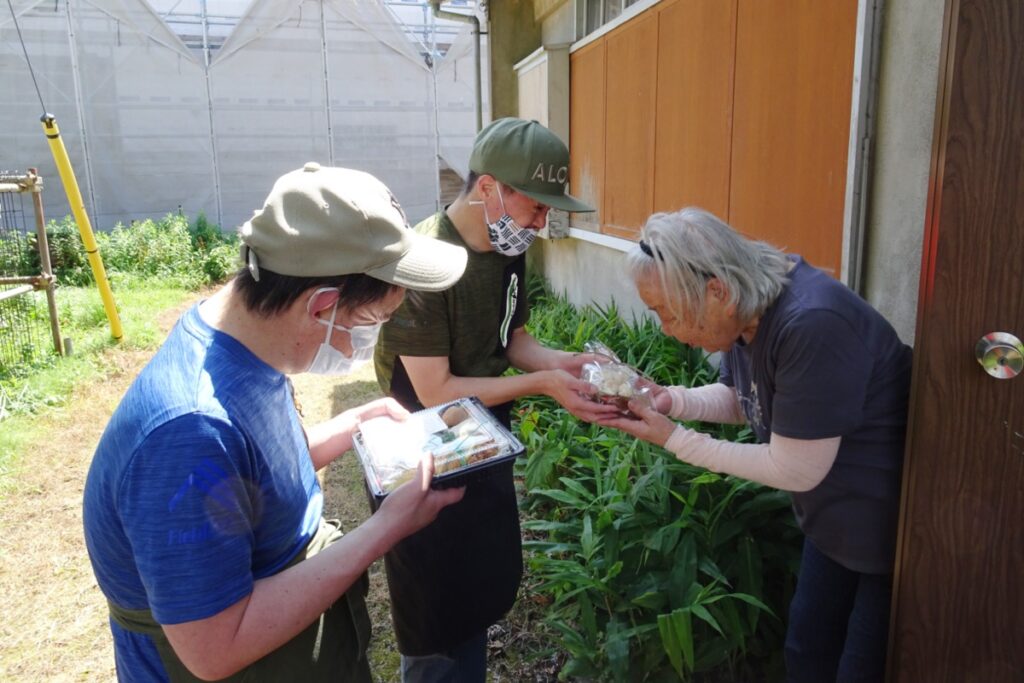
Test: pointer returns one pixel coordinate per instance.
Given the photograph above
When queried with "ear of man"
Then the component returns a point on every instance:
(322, 301)
(486, 185)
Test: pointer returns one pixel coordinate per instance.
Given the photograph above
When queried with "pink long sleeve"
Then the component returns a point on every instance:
(782, 463)
(710, 403)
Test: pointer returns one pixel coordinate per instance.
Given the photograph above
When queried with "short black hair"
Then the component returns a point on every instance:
(473, 176)
(274, 292)
(471, 179)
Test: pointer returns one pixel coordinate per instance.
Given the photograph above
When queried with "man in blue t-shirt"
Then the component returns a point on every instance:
(202, 510)
(823, 380)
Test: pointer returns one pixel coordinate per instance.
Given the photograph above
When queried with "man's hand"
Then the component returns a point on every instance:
(413, 505)
(649, 424)
(572, 394)
(351, 418)
(375, 409)
(331, 438)
(573, 362)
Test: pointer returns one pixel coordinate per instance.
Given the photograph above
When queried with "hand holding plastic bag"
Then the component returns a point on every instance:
(615, 383)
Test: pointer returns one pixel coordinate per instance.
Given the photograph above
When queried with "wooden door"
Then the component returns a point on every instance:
(959, 603)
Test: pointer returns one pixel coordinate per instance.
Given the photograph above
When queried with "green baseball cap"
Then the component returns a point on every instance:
(527, 157)
(326, 221)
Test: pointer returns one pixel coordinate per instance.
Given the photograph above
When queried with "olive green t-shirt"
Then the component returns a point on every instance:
(471, 323)
(453, 578)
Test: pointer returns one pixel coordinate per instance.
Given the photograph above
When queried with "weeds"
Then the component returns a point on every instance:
(151, 265)
(169, 250)
(653, 569)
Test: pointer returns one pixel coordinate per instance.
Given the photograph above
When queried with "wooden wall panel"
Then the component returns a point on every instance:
(696, 58)
(794, 66)
(629, 142)
(587, 131)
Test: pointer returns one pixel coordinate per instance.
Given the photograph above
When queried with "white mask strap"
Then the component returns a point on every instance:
(334, 311)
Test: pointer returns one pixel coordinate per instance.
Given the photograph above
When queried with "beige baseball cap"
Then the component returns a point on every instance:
(325, 221)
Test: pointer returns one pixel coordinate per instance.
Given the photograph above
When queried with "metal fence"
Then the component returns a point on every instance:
(26, 278)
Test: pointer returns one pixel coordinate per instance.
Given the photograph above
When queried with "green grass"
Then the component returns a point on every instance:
(29, 393)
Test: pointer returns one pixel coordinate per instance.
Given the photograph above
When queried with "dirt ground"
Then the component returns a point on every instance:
(54, 625)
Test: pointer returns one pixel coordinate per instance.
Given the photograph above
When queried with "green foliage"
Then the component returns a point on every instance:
(15, 259)
(655, 570)
(218, 252)
(148, 263)
(169, 250)
(67, 253)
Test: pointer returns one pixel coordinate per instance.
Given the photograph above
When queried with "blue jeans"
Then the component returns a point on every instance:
(838, 623)
(465, 663)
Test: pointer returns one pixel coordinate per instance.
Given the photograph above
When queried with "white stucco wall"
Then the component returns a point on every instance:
(588, 273)
(908, 81)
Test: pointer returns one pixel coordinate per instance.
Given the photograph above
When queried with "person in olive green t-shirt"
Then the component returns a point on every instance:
(456, 577)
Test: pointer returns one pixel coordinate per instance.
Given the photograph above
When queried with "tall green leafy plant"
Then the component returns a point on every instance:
(654, 569)
(168, 250)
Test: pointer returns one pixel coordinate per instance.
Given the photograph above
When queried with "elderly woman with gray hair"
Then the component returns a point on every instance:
(823, 381)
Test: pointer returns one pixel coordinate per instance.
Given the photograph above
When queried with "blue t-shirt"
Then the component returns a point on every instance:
(823, 364)
(201, 484)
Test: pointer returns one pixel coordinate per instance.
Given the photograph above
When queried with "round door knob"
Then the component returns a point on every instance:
(1000, 354)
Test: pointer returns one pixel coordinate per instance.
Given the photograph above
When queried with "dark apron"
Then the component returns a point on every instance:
(332, 648)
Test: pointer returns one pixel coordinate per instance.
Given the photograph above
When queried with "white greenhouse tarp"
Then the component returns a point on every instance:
(151, 128)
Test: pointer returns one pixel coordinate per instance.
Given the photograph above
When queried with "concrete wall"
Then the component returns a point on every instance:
(908, 81)
(587, 273)
(559, 22)
(513, 34)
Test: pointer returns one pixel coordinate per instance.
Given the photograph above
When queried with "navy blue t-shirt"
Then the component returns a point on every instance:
(823, 364)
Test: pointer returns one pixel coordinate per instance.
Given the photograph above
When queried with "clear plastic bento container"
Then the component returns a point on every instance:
(463, 436)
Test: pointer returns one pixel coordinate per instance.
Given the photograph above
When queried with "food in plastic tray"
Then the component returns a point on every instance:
(460, 436)
(615, 382)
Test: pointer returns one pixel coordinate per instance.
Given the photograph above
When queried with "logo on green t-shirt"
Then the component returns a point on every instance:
(511, 298)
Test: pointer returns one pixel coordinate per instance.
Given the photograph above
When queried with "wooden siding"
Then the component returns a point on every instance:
(741, 107)
(587, 130)
(696, 44)
(629, 144)
(794, 68)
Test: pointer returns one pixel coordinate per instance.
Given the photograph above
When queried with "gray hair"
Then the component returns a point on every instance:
(686, 248)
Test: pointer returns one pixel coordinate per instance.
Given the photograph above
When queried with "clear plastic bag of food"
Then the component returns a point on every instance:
(461, 436)
(615, 383)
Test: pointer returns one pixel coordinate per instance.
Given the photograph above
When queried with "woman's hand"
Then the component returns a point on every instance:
(649, 424)
(659, 396)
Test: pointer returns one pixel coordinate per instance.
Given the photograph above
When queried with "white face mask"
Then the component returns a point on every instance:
(329, 360)
(507, 237)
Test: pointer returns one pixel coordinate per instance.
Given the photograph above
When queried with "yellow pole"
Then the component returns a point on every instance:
(92, 250)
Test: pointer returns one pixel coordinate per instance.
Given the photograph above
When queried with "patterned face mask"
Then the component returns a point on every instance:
(507, 237)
